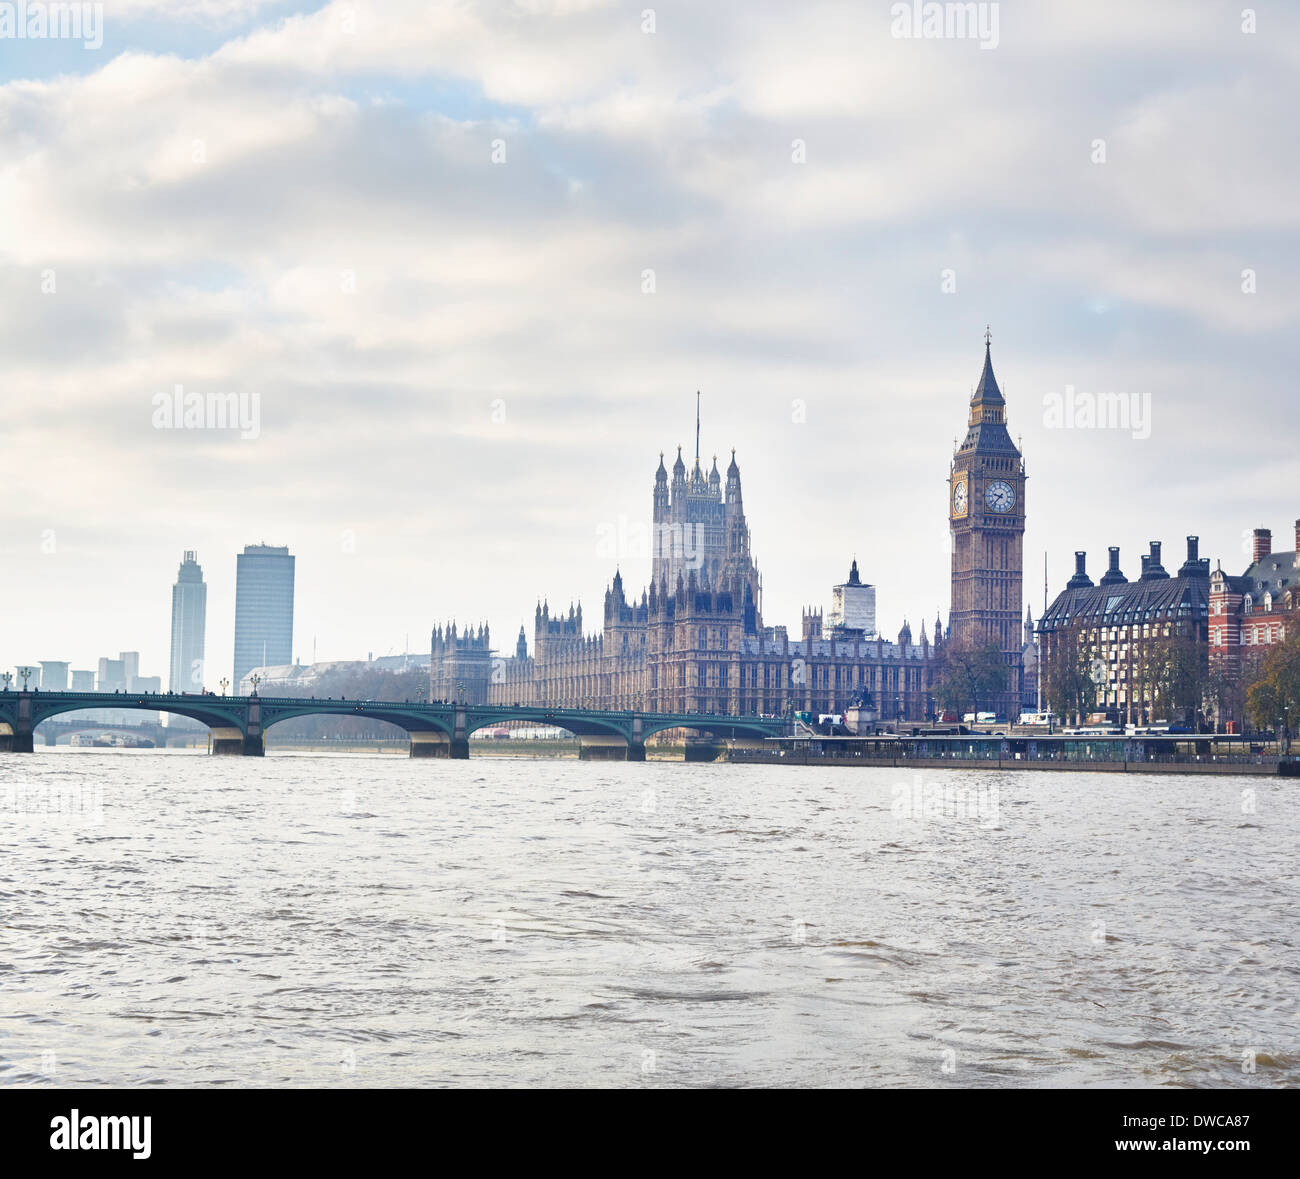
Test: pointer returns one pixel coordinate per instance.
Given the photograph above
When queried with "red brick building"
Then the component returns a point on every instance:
(1254, 610)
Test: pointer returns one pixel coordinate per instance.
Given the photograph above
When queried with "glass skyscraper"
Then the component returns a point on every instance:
(263, 609)
(189, 618)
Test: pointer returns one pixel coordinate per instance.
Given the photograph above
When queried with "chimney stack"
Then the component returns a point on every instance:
(1194, 566)
(1080, 580)
(1297, 536)
(1113, 576)
(1263, 543)
(1151, 567)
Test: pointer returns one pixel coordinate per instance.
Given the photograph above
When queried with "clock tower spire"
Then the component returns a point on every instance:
(986, 517)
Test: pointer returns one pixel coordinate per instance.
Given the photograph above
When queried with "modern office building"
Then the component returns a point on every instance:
(1128, 648)
(82, 681)
(112, 676)
(189, 618)
(54, 676)
(263, 608)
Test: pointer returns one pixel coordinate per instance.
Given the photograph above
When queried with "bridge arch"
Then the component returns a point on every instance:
(430, 735)
(212, 715)
(719, 727)
(608, 737)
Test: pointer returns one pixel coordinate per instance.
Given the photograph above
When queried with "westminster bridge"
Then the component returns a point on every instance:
(238, 724)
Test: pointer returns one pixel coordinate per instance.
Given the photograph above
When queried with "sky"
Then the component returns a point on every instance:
(463, 267)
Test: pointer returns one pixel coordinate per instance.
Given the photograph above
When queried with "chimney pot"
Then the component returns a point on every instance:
(1114, 558)
(1192, 544)
(1263, 543)
(1080, 562)
(1155, 552)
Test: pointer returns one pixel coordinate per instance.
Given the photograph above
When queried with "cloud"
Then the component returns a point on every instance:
(425, 235)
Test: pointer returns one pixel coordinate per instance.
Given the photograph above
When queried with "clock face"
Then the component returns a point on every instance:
(959, 498)
(1000, 496)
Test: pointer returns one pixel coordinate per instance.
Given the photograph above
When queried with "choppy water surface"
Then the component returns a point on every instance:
(334, 920)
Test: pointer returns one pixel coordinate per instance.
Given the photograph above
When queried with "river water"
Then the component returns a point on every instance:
(175, 919)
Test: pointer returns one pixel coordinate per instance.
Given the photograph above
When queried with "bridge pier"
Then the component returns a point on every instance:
(238, 746)
(459, 750)
(429, 743)
(21, 727)
(636, 743)
(704, 750)
(603, 747)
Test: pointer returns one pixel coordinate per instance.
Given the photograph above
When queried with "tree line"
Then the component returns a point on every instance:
(350, 683)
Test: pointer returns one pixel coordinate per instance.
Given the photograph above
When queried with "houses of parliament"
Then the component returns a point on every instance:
(695, 639)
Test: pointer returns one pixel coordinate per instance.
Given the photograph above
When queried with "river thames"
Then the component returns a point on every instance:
(366, 920)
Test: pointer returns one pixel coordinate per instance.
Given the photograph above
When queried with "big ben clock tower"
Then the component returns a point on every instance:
(986, 514)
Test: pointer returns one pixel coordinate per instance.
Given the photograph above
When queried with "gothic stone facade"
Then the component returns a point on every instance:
(461, 663)
(695, 640)
(986, 516)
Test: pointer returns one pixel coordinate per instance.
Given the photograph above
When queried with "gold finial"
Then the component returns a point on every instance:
(988, 336)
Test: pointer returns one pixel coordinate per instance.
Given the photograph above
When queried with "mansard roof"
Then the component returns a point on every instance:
(1272, 574)
(1151, 600)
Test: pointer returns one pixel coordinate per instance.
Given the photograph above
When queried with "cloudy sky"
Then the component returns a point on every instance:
(474, 259)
